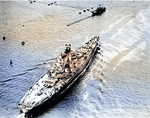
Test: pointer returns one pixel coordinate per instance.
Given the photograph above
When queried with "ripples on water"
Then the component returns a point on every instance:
(123, 91)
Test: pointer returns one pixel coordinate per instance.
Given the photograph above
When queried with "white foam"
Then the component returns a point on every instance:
(85, 96)
(117, 23)
(22, 115)
(128, 40)
(133, 55)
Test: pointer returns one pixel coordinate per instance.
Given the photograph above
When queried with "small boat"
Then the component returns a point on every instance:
(98, 11)
(63, 73)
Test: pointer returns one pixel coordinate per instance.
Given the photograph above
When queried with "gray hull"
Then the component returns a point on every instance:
(68, 68)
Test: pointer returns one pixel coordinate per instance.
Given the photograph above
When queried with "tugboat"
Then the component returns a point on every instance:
(63, 73)
(98, 11)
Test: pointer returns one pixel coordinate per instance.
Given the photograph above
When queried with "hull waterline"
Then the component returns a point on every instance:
(60, 77)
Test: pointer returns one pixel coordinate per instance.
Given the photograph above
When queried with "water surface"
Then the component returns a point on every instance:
(123, 90)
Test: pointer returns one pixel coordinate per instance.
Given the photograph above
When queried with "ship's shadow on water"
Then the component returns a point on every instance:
(51, 103)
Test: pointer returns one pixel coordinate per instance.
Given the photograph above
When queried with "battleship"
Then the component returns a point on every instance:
(68, 67)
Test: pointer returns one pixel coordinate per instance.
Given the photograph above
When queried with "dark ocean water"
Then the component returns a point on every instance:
(124, 89)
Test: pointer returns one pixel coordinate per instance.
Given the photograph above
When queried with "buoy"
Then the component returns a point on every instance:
(4, 37)
(10, 62)
(22, 42)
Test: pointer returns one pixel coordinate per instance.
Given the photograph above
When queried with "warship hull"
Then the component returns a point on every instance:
(51, 86)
